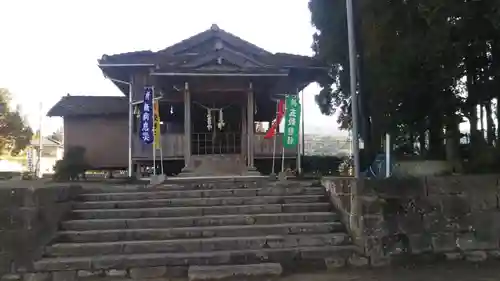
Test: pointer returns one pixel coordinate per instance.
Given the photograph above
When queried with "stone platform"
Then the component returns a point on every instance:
(218, 226)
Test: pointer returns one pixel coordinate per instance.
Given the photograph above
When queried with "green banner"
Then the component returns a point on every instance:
(292, 121)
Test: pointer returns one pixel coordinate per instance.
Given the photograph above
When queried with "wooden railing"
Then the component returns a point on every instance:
(172, 146)
(219, 143)
(264, 147)
(202, 143)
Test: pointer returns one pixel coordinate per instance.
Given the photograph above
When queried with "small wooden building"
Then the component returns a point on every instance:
(212, 88)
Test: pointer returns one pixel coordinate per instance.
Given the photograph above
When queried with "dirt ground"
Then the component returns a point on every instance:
(453, 271)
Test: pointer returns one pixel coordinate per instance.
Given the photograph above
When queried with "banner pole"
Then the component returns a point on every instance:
(161, 151)
(153, 143)
(299, 153)
(283, 143)
(274, 140)
(283, 160)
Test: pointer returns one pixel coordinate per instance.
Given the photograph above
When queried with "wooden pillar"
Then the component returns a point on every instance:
(187, 126)
(244, 133)
(250, 127)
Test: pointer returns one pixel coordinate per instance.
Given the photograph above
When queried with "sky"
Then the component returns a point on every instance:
(50, 48)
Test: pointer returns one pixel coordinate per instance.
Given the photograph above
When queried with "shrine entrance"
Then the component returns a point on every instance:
(217, 133)
(216, 127)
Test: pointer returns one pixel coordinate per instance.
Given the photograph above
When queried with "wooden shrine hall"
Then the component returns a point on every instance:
(211, 88)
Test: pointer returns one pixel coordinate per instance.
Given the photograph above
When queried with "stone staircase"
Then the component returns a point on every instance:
(208, 231)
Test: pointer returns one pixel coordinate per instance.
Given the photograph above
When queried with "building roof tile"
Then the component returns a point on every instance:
(89, 105)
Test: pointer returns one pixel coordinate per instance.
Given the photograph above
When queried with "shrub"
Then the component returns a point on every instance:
(73, 165)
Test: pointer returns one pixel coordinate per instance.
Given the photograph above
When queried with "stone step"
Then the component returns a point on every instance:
(128, 261)
(203, 193)
(174, 185)
(195, 245)
(235, 272)
(184, 202)
(217, 220)
(200, 211)
(198, 232)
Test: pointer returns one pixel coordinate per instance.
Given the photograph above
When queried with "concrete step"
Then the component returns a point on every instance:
(200, 211)
(196, 245)
(198, 232)
(216, 220)
(260, 272)
(203, 193)
(184, 202)
(279, 255)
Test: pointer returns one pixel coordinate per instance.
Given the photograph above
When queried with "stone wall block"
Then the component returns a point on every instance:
(344, 202)
(38, 276)
(436, 222)
(371, 204)
(5, 262)
(484, 224)
(476, 256)
(28, 218)
(64, 275)
(443, 242)
(469, 241)
(357, 260)
(147, 272)
(374, 225)
(397, 187)
(420, 243)
(16, 197)
(482, 201)
(453, 256)
(410, 223)
(455, 206)
(460, 184)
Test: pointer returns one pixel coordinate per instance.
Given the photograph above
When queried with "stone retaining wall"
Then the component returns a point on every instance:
(29, 217)
(457, 217)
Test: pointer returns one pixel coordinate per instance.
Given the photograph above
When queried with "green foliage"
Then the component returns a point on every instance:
(423, 66)
(15, 134)
(72, 166)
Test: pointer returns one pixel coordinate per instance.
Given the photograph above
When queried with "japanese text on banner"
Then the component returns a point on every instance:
(146, 117)
(292, 121)
(156, 111)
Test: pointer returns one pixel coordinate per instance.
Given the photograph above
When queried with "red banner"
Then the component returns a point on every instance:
(281, 111)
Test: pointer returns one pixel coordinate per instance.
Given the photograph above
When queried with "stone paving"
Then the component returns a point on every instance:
(450, 271)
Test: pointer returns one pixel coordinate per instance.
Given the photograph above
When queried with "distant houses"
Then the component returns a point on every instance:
(325, 145)
(52, 150)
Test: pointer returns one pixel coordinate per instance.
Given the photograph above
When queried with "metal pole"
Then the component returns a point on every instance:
(130, 120)
(153, 143)
(299, 153)
(283, 158)
(40, 143)
(130, 127)
(354, 94)
(274, 138)
(387, 155)
(302, 123)
(161, 154)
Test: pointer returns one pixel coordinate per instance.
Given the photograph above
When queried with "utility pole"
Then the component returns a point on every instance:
(354, 94)
(40, 143)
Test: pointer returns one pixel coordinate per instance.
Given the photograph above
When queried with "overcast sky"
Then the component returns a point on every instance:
(50, 48)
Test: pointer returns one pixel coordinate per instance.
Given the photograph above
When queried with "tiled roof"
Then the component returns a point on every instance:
(46, 141)
(89, 105)
(174, 56)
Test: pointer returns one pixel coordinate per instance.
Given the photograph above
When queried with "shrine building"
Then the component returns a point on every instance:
(212, 90)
